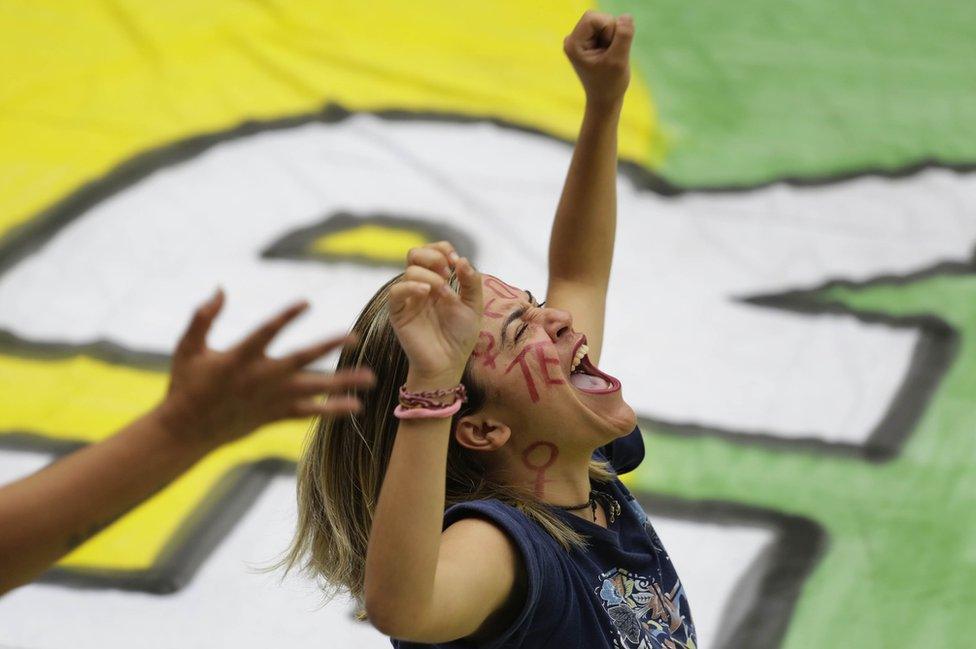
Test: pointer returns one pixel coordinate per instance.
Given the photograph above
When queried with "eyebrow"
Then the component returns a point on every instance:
(514, 315)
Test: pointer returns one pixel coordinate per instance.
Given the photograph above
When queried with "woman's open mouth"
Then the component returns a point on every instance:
(585, 377)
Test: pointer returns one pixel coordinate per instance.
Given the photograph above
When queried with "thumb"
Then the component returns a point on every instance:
(622, 37)
(470, 281)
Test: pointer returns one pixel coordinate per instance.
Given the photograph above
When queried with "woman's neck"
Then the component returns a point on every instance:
(551, 473)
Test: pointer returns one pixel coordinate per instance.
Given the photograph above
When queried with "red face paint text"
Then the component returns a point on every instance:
(539, 351)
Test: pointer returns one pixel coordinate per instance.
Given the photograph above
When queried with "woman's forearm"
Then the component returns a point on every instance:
(581, 244)
(404, 540)
(47, 514)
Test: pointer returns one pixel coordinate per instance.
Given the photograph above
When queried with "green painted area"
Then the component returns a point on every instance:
(758, 90)
(902, 550)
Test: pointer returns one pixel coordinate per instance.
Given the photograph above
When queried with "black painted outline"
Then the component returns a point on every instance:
(776, 576)
(180, 562)
(935, 351)
(296, 244)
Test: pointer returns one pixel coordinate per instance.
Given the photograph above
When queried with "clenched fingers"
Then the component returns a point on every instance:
(431, 257)
(425, 275)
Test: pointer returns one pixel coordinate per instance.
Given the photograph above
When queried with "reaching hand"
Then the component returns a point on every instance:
(215, 397)
(436, 327)
(599, 49)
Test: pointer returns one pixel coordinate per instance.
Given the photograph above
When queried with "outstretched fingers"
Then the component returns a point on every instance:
(303, 357)
(312, 383)
(259, 339)
(336, 405)
(194, 339)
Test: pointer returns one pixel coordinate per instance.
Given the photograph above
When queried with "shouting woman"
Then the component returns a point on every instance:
(474, 500)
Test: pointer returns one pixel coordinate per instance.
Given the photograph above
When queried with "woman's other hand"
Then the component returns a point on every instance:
(218, 396)
(599, 49)
(436, 327)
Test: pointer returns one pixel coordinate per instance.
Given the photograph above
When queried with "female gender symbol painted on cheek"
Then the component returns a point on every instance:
(545, 454)
(483, 350)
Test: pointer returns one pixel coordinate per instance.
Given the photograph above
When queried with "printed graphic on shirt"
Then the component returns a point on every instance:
(645, 613)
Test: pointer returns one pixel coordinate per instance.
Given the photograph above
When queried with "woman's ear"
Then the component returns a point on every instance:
(481, 434)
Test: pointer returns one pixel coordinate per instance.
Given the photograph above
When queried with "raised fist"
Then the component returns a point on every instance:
(599, 49)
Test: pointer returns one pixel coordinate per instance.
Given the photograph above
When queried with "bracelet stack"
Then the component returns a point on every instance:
(421, 405)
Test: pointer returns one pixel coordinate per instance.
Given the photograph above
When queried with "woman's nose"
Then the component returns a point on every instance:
(556, 322)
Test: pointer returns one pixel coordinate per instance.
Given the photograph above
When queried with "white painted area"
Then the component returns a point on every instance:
(227, 604)
(19, 464)
(710, 560)
(132, 269)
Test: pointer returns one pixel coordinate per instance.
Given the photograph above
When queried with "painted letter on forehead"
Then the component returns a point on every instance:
(501, 289)
(489, 313)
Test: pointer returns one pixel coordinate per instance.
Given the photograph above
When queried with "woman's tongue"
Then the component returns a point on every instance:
(587, 382)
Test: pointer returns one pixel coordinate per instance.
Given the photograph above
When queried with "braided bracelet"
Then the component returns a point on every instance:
(430, 398)
(417, 405)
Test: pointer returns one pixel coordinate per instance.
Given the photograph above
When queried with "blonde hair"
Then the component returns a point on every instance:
(345, 459)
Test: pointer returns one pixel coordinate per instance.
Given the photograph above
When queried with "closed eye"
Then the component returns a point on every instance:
(521, 330)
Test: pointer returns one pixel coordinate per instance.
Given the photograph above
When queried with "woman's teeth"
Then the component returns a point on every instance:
(580, 353)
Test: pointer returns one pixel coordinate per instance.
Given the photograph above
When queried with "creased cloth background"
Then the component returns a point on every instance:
(790, 312)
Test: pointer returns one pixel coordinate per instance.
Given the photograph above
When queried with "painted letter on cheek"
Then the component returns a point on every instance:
(543, 361)
(538, 457)
(483, 350)
(526, 373)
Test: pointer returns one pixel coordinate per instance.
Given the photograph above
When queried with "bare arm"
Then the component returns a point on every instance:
(421, 584)
(581, 244)
(582, 239)
(49, 513)
(213, 398)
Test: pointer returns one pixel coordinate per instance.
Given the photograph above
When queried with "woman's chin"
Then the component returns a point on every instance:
(615, 423)
(625, 421)
(614, 413)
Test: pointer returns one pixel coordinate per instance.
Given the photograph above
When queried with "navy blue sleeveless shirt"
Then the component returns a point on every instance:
(620, 592)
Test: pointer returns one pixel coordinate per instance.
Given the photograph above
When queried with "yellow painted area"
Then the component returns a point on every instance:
(371, 241)
(84, 399)
(76, 399)
(135, 541)
(89, 85)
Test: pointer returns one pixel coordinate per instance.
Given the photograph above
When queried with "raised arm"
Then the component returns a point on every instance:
(422, 584)
(214, 397)
(581, 244)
